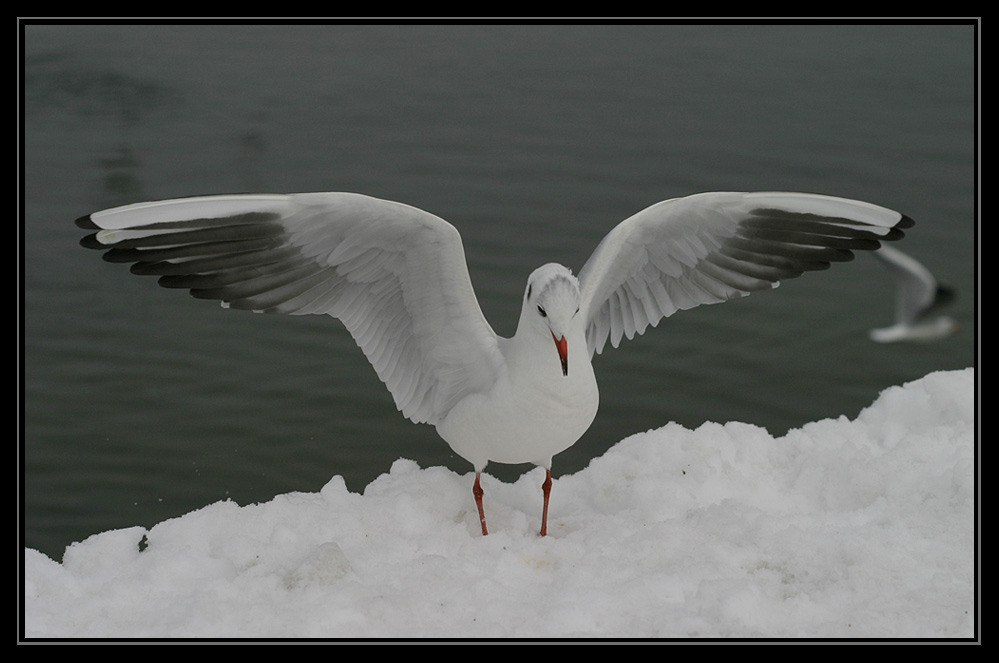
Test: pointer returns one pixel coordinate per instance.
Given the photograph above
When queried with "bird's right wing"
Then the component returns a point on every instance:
(712, 247)
(394, 275)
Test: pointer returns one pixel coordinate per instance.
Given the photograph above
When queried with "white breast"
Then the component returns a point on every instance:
(533, 411)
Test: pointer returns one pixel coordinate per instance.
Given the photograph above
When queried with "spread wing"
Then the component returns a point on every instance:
(917, 292)
(712, 247)
(394, 275)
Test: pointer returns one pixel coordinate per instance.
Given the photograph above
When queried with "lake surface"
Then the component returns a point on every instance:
(141, 404)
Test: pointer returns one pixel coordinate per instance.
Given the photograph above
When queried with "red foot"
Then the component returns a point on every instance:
(546, 488)
(477, 492)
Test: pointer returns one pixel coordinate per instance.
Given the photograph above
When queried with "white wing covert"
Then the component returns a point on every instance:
(394, 275)
(712, 247)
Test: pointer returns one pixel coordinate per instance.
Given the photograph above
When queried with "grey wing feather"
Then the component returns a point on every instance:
(712, 247)
(394, 275)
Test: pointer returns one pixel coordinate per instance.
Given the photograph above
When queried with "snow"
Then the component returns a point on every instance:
(860, 528)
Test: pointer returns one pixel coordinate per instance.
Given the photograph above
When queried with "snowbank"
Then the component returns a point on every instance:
(840, 529)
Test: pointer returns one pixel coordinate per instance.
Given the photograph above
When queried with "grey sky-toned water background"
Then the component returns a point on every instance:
(141, 404)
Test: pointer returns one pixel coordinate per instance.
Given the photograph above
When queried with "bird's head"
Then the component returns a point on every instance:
(551, 302)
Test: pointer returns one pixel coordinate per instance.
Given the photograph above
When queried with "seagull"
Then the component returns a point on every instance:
(918, 299)
(397, 279)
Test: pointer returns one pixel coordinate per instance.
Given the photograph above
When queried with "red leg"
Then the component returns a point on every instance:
(546, 488)
(477, 491)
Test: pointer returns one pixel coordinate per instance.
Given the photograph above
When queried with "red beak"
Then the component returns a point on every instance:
(563, 353)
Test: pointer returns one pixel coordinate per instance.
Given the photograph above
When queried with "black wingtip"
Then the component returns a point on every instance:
(945, 294)
(90, 242)
(893, 235)
(86, 223)
(896, 232)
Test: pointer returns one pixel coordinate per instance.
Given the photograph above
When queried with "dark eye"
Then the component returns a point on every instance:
(542, 312)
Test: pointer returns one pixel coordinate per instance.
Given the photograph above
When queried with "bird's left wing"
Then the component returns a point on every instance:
(393, 274)
(712, 247)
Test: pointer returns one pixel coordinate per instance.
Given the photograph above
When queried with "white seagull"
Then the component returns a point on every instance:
(396, 277)
(918, 300)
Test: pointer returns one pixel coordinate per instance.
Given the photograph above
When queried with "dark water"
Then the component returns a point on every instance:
(141, 404)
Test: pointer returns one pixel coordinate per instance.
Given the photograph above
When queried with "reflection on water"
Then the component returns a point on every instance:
(56, 81)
